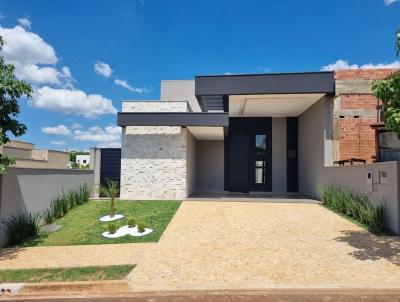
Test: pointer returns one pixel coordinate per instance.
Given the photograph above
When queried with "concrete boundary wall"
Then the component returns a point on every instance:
(29, 190)
(354, 178)
(315, 165)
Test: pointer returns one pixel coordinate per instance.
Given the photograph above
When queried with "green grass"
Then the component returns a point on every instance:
(82, 226)
(89, 273)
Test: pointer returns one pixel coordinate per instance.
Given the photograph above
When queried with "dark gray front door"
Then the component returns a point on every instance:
(239, 163)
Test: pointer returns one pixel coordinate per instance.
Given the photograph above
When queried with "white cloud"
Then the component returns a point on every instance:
(28, 52)
(116, 144)
(109, 137)
(26, 47)
(344, 64)
(72, 101)
(125, 84)
(261, 69)
(388, 2)
(59, 130)
(103, 69)
(76, 126)
(25, 22)
(58, 143)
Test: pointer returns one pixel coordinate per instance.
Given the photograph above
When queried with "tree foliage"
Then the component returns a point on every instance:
(388, 90)
(398, 42)
(11, 90)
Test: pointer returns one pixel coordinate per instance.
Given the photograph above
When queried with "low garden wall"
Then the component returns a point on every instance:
(384, 189)
(25, 190)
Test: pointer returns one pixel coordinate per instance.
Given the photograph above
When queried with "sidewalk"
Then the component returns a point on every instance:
(71, 256)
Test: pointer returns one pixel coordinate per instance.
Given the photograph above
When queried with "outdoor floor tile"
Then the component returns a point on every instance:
(239, 245)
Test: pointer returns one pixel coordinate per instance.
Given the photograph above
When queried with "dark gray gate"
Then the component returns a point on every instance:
(110, 165)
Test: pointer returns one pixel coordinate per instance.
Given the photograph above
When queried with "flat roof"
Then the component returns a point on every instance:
(209, 119)
(267, 83)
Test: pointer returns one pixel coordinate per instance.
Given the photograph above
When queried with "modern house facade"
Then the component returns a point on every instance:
(247, 133)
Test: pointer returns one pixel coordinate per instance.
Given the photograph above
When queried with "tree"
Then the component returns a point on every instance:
(398, 42)
(11, 90)
(388, 90)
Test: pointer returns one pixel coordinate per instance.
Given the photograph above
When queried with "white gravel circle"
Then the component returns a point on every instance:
(125, 230)
(107, 218)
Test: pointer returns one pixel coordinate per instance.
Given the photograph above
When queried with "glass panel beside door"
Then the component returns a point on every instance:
(260, 167)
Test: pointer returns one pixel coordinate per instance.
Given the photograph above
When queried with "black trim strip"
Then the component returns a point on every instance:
(205, 119)
(281, 83)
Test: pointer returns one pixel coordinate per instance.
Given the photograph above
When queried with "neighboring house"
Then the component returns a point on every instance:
(26, 156)
(83, 159)
(247, 133)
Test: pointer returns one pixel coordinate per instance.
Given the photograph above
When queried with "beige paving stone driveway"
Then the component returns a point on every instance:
(238, 245)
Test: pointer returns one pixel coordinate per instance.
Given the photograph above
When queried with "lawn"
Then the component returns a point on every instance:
(91, 273)
(82, 226)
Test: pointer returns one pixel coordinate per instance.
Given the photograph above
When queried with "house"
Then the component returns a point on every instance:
(249, 133)
(83, 159)
(26, 156)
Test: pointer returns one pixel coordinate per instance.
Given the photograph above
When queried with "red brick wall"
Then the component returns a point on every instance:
(363, 74)
(356, 137)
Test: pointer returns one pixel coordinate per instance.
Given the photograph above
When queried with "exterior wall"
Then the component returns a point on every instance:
(191, 154)
(153, 159)
(81, 158)
(210, 166)
(95, 165)
(154, 106)
(180, 91)
(315, 168)
(32, 190)
(16, 152)
(279, 150)
(355, 109)
(27, 157)
(313, 136)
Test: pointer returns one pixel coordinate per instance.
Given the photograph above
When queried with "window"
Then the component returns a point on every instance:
(261, 158)
(84, 161)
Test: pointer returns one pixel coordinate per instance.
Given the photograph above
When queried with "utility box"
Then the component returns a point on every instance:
(369, 181)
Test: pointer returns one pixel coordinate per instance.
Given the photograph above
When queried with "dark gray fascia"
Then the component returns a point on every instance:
(205, 119)
(276, 83)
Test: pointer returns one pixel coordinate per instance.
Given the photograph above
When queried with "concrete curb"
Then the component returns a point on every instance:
(272, 295)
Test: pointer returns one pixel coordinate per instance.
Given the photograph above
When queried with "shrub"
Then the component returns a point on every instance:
(84, 194)
(21, 227)
(111, 189)
(357, 207)
(48, 216)
(57, 207)
(141, 226)
(131, 222)
(62, 204)
(111, 228)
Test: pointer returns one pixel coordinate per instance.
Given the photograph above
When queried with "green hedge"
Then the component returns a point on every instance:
(359, 208)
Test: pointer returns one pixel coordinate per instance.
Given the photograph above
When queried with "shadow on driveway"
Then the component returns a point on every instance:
(371, 247)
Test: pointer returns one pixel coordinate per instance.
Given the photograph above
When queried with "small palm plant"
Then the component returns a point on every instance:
(111, 190)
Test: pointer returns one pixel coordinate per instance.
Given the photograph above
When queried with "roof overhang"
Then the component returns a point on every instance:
(212, 92)
(274, 105)
(272, 83)
(183, 119)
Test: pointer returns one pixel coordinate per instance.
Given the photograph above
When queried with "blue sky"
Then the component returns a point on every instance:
(56, 45)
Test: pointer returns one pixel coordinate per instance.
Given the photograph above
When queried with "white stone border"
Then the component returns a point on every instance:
(125, 230)
(107, 218)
